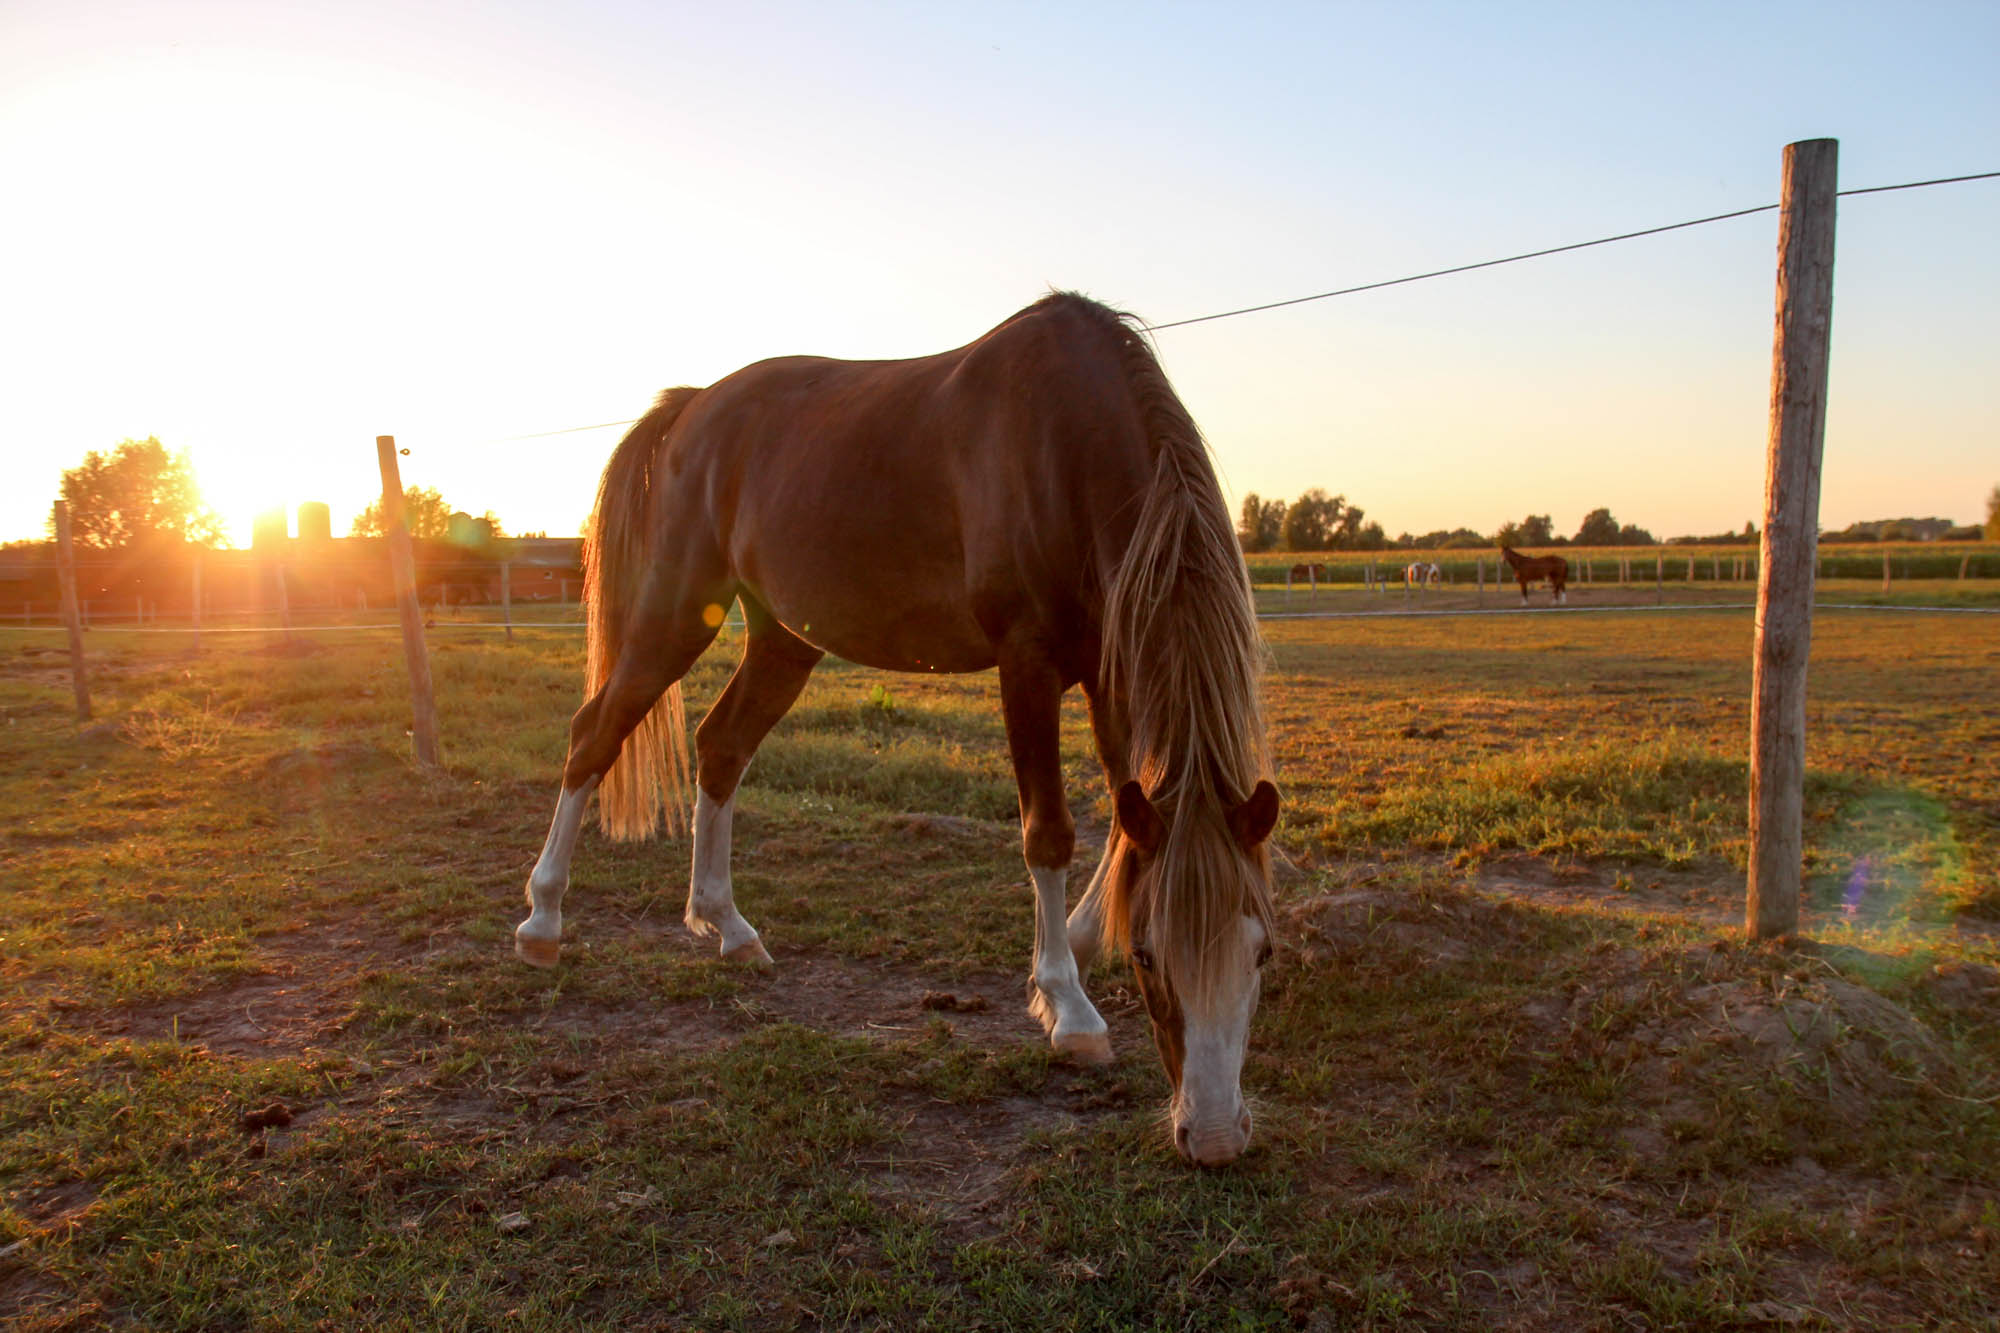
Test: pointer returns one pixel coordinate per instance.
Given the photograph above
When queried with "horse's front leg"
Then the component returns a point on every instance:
(1085, 927)
(1086, 922)
(1031, 698)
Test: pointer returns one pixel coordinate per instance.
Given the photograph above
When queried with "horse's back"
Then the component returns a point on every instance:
(909, 514)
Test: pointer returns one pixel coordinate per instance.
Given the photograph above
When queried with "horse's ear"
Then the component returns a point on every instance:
(1141, 822)
(1253, 820)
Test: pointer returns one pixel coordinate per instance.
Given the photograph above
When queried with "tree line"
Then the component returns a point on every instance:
(1317, 521)
(138, 496)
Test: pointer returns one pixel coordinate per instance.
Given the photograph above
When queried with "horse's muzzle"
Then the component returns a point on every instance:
(1213, 1144)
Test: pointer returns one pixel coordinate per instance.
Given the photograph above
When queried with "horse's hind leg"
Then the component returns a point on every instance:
(657, 651)
(1031, 691)
(767, 682)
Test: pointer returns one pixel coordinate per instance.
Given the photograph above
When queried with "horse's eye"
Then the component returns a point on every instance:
(1264, 955)
(1143, 957)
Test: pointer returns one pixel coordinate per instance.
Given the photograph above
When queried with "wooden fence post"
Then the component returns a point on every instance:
(1885, 571)
(507, 596)
(284, 602)
(195, 593)
(1790, 540)
(424, 706)
(66, 573)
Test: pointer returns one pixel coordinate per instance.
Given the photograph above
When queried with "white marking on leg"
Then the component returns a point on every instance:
(538, 940)
(1057, 1000)
(711, 905)
(1086, 921)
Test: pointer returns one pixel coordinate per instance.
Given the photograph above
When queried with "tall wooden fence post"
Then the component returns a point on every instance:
(507, 596)
(1790, 540)
(195, 596)
(284, 603)
(424, 706)
(66, 573)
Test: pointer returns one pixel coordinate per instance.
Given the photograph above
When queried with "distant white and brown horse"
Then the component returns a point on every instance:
(1422, 574)
(1534, 568)
(1038, 501)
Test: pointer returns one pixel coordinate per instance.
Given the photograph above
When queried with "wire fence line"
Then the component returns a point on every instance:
(1551, 250)
(1405, 613)
(1423, 277)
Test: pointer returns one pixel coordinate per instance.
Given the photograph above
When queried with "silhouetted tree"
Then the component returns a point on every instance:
(1993, 515)
(1311, 520)
(1599, 529)
(135, 495)
(1261, 523)
(424, 510)
(1346, 534)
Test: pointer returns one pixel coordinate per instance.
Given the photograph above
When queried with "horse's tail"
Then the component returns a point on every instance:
(651, 771)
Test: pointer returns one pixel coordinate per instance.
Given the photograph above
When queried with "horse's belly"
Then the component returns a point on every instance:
(886, 631)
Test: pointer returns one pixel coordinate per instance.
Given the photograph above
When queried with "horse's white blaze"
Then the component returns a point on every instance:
(1211, 1124)
(1073, 1023)
(539, 937)
(711, 905)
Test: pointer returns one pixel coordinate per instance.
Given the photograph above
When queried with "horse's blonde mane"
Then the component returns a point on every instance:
(1181, 651)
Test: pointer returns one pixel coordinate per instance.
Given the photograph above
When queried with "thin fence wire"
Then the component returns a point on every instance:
(1434, 273)
(1552, 250)
(1413, 612)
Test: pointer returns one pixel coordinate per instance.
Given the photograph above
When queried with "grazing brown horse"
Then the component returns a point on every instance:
(1534, 568)
(1314, 574)
(1037, 501)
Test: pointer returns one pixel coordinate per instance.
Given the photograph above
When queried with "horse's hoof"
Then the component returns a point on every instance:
(537, 953)
(750, 952)
(1088, 1048)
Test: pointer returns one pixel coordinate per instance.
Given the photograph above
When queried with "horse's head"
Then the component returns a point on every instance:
(1191, 903)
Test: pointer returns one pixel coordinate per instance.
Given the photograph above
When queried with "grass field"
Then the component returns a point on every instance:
(267, 1059)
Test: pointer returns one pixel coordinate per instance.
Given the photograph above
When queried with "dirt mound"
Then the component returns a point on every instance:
(1670, 1019)
(946, 827)
(324, 761)
(1967, 990)
(291, 645)
(1369, 923)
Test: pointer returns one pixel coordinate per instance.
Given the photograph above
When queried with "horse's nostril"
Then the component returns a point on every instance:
(1243, 1124)
(1181, 1143)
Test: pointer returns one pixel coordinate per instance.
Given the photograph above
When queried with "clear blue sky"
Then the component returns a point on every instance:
(267, 233)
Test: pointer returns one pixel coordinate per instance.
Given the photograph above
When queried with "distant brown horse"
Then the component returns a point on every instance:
(1037, 500)
(1534, 568)
(1314, 574)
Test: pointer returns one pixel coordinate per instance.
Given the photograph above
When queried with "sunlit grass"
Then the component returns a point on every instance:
(240, 889)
